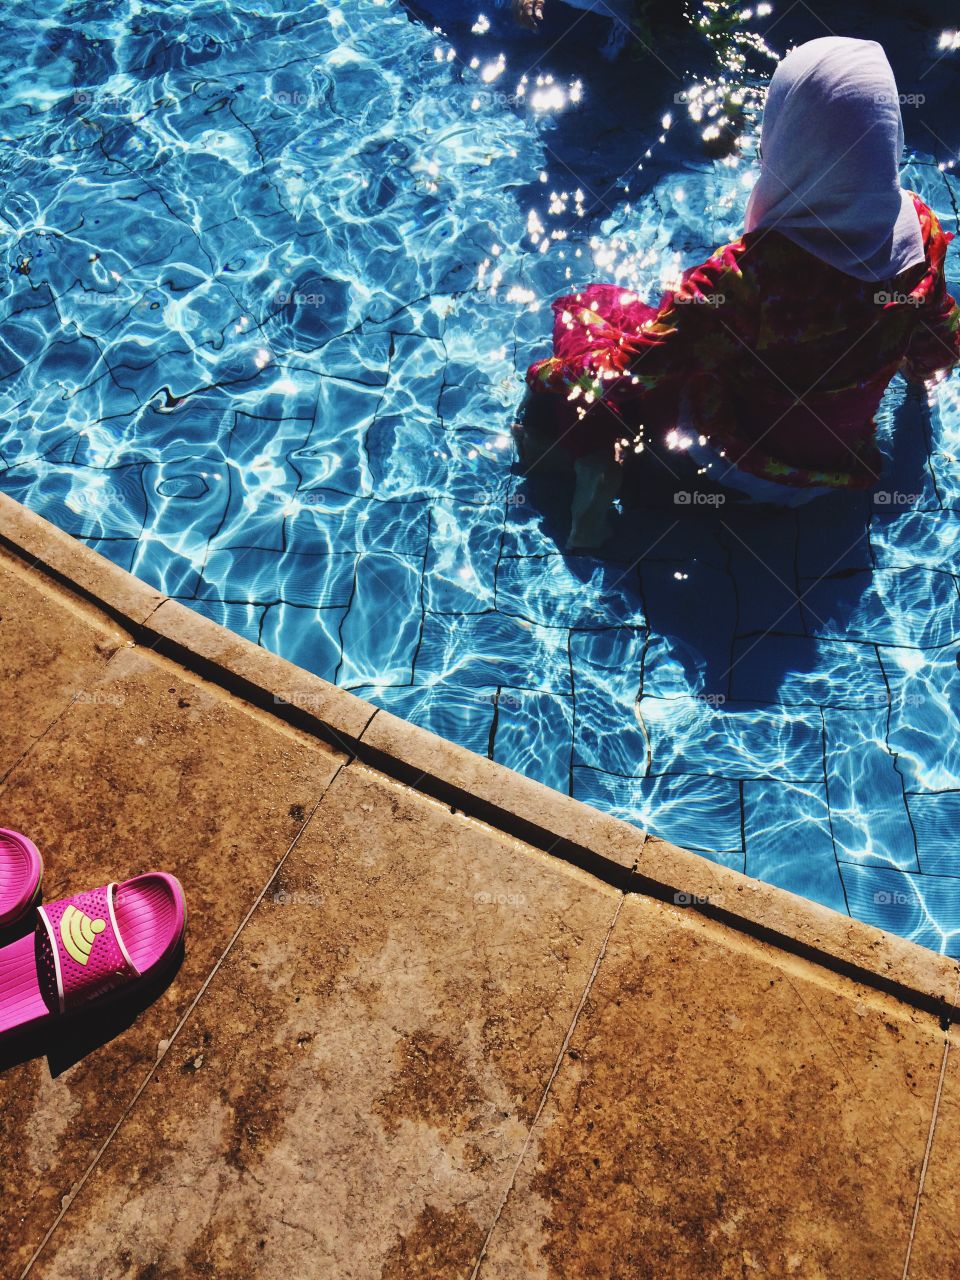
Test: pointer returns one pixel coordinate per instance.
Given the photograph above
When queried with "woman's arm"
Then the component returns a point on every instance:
(702, 326)
(607, 348)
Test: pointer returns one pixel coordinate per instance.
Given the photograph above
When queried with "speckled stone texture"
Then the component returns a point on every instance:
(723, 1111)
(936, 1248)
(353, 1093)
(44, 665)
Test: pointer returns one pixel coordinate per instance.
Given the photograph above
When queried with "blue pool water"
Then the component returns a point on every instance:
(272, 275)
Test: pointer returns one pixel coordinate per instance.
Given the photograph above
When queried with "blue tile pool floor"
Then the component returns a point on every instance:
(272, 277)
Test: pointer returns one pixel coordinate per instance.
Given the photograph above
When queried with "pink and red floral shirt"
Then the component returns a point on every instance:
(776, 357)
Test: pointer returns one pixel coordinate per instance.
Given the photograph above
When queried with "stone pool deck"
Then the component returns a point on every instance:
(433, 1020)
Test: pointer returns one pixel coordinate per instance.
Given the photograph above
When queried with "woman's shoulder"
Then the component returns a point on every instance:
(766, 256)
(766, 263)
(769, 247)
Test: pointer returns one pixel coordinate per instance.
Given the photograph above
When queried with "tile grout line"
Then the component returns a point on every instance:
(168, 1044)
(929, 1148)
(158, 605)
(549, 1085)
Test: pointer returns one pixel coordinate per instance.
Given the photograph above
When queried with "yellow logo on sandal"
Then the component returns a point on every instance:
(79, 933)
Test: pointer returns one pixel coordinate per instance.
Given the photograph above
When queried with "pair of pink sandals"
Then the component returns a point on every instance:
(85, 948)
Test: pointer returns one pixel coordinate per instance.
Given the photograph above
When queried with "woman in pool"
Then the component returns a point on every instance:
(764, 369)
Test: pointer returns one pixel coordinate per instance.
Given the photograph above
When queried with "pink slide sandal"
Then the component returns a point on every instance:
(21, 871)
(89, 948)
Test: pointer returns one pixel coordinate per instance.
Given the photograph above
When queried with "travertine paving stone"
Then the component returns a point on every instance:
(352, 1094)
(153, 769)
(51, 648)
(723, 1112)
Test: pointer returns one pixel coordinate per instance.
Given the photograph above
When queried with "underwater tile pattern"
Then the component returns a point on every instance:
(272, 277)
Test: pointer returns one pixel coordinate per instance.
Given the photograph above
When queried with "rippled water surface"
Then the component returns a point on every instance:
(272, 275)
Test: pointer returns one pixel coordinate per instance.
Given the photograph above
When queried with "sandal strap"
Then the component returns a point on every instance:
(79, 949)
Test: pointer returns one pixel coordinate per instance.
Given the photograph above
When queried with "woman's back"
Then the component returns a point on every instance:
(803, 350)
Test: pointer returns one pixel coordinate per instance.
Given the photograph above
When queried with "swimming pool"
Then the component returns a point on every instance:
(273, 275)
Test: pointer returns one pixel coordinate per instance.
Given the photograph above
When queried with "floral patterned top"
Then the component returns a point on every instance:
(777, 358)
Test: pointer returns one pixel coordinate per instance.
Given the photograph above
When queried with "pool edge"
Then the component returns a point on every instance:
(612, 850)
